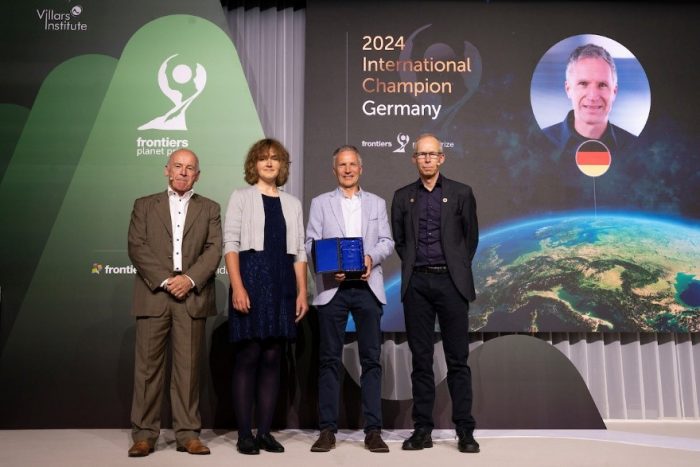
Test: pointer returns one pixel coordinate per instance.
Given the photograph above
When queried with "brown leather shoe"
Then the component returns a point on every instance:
(141, 449)
(325, 442)
(194, 446)
(374, 442)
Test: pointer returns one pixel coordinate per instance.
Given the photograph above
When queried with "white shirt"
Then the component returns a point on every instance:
(352, 214)
(178, 213)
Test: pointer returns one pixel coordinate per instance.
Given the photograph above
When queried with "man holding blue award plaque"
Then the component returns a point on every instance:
(346, 225)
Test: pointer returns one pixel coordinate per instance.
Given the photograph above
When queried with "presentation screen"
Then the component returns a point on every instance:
(574, 124)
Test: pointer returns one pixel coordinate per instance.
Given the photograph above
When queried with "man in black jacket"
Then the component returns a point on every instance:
(436, 233)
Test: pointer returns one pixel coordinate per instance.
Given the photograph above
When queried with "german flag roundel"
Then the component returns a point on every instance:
(593, 158)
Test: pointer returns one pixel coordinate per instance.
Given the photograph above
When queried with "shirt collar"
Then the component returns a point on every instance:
(419, 182)
(607, 137)
(342, 194)
(185, 197)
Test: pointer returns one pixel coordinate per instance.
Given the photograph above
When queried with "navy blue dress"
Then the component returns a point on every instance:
(268, 277)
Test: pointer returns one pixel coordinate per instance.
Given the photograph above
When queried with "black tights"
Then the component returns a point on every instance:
(256, 369)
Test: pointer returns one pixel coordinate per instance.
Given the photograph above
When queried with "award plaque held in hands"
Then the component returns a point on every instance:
(346, 255)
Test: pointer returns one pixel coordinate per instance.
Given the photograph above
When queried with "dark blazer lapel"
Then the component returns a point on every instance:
(163, 209)
(412, 209)
(194, 208)
(448, 195)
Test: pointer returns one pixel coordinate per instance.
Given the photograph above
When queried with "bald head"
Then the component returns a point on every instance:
(428, 136)
(183, 151)
(182, 170)
(428, 157)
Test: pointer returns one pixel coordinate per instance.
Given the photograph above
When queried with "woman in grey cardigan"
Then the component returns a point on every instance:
(266, 262)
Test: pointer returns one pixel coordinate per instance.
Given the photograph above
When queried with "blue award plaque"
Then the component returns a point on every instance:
(333, 255)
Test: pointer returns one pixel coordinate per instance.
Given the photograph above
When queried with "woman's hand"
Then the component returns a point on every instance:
(302, 306)
(240, 300)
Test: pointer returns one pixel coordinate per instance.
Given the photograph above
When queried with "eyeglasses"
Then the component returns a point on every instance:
(427, 155)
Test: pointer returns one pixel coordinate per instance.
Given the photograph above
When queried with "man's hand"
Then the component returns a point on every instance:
(179, 286)
(368, 268)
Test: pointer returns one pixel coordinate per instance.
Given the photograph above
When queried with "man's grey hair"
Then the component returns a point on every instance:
(591, 51)
(346, 147)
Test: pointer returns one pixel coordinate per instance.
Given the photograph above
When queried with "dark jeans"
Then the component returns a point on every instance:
(428, 295)
(357, 298)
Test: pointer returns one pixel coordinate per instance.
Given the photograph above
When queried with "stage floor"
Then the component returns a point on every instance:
(624, 443)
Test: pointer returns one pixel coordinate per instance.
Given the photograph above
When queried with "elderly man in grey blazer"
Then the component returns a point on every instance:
(175, 245)
(349, 211)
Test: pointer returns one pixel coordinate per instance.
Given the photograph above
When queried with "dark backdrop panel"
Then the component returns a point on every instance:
(560, 250)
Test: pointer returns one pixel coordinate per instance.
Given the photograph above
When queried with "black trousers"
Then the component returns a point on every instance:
(430, 295)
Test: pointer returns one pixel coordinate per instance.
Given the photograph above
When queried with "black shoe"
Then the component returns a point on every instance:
(247, 445)
(325, 442)
(466, 442)
(419, 439)
(268, 442)
(374, 442)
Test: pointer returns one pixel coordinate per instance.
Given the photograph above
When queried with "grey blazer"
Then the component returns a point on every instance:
(326, 221)
(244, 226)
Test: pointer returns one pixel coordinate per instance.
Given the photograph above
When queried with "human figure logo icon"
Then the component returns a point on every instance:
(181, 74)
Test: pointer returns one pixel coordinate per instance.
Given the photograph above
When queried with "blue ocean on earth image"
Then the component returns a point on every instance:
(580, 273)
(620, 273)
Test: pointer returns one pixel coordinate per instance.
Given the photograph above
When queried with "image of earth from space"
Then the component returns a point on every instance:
(586, 273)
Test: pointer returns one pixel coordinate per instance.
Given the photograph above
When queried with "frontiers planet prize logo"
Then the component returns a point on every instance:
(402, 140)
(52, 20)
(181, 86)
(98, 269)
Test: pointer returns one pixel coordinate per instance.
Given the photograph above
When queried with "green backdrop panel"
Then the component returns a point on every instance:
(12, 119)
(180, 76)
(40, 171)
